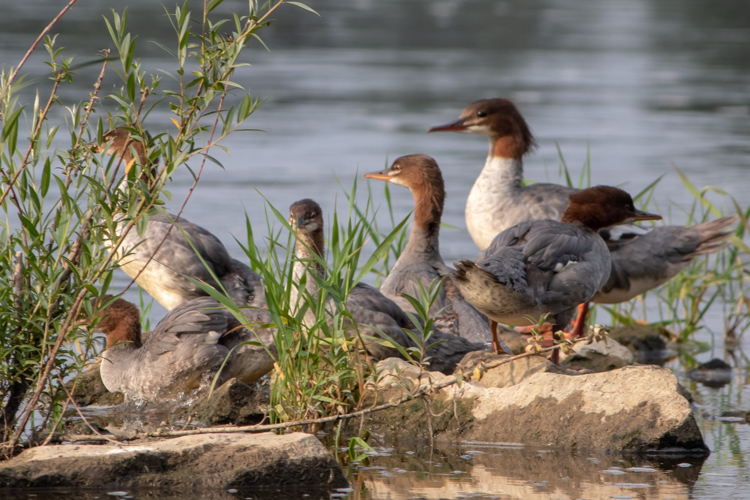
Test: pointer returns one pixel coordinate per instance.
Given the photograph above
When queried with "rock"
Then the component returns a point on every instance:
(507, 374)
(234, 403)
(649, 344)
(634, 409)
(199, 462)
(89, 389)
(600, 356)
(514, 340)
(715, 373)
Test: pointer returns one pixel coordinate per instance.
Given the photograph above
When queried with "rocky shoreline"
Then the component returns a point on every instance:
(595, 400)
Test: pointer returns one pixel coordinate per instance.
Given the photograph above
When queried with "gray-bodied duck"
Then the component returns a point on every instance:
(184, 351)
(546, 266)
(160, 265)
(370, 310)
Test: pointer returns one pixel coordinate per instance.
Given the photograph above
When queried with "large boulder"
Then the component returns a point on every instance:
(634, 409)
(190, 463)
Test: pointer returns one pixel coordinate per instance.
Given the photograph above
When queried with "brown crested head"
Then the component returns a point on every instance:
(122, 142)
(421, 174)
(500, 120)
(121, 321)
(603, 206)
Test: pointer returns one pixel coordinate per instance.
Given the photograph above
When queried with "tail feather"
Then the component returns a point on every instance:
(711, 236)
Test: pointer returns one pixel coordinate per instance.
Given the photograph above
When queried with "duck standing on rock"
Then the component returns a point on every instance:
(172, 248)
(641, 259)
(185, 350)
(420, 261)
(371, 312)
(546, 266)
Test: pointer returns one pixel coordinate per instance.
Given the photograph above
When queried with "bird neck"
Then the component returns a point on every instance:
(309, 246)
(425, 232)
(126, 331)
(586, 218)
(506, 172)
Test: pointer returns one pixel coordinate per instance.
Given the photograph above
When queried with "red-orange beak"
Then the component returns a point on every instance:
(641, 215)
(381, 175)
(456, 126)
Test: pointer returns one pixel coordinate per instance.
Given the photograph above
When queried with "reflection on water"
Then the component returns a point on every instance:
(638, 86)
(489, 471)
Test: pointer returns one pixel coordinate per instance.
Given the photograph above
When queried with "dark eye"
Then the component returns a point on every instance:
(481, 114)
(396, 167)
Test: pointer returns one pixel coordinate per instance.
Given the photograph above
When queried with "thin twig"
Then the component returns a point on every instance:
(33, 46)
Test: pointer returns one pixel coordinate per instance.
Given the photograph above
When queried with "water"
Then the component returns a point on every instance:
(638, 86)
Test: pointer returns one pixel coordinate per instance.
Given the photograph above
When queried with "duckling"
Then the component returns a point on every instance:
(370, 310)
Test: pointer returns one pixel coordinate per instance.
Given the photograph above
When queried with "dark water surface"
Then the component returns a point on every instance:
(639, 86)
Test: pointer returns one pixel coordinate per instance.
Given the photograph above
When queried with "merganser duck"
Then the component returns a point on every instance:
(420, 261)
(184, 351)
(546, 266)
(189, 250)
(641, 261)
(370, 310)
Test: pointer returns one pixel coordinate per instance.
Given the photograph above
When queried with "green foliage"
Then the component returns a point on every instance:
(321, 369)
(65, 212)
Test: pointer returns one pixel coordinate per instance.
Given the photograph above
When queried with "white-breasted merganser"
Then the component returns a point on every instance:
(546, 266)
(641, 260)
(420, 261)
(159, 266)
(371, 312)
(184, 351)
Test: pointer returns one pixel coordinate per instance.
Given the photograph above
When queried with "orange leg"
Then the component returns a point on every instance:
(495, 343)
(580, 322)
(527, 329)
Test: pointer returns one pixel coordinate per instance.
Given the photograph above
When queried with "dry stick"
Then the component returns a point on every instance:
(72, 313)
(52, 95)
(33, 46)
(425, 391)
(80, 414)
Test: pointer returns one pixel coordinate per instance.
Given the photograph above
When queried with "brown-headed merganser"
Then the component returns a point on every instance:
(546, 266)
(371, 312)
(420, 261)
(641, 260)
(161, 268)
(184, 351)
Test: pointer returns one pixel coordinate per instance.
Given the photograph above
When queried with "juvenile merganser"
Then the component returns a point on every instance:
(546, 266)
(641, 260)
(184, 351)
(420, 261)
(161, 268)
(370, 310)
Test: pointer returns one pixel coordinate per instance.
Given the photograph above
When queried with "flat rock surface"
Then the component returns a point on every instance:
(198, 462)
(635, 409)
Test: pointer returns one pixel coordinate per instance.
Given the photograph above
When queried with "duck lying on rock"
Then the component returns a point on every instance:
(185, 350)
